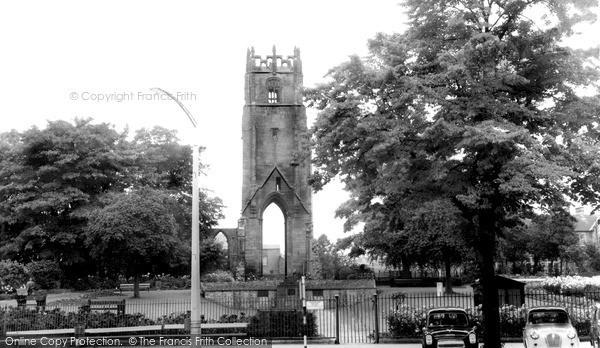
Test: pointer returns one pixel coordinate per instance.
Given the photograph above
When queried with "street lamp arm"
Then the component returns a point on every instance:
(187, 112)
(195, 316)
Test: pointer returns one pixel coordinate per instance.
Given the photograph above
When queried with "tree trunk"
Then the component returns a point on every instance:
(406, 268)
(136, 286)
(491, 320)
(448, 266)
(566, 267)
(536, 265)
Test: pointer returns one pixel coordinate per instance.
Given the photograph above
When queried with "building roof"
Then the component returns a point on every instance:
(586, 222)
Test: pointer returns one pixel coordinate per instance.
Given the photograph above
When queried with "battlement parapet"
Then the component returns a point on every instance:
(273, 63)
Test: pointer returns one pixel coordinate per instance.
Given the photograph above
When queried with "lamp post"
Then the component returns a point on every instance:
(195, 321)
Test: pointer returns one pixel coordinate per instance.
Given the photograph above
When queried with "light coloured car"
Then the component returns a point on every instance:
(549, 327)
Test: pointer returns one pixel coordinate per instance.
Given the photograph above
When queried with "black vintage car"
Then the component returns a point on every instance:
(449, 327)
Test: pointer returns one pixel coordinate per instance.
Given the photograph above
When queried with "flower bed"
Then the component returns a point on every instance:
(571, 285)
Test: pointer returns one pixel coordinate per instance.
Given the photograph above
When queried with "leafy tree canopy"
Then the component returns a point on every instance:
(436, 235)
(48, 180)
(135, 233)
(475, 103)
(329, 258)
(52, 179)
(547, 235)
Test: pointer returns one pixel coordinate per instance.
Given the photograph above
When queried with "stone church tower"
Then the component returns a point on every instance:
(275, 160)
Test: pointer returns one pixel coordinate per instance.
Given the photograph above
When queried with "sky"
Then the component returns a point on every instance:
(66, 59)
(99, 59)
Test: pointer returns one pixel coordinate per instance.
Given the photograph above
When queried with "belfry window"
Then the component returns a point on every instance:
(273, 88)
(273, 96)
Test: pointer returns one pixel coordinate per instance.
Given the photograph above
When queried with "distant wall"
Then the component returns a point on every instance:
(272, 295)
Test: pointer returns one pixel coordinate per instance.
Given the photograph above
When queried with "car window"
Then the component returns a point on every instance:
(548, 317)
(448, 319)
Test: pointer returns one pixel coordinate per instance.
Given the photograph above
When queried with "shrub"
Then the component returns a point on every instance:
(512, 321)
(173, 318)
(111, 319)
(45, 273)
(12, 319)
(281, 324)
(250, 273)
(169, 282)
(6, 289)
(407, 321)
(218, 277)
(581, 320)
(13, 275)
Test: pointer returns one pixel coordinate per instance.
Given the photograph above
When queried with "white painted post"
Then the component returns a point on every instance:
(303, 297)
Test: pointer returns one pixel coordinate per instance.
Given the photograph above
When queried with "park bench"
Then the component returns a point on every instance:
(129, 287)
(114, 305)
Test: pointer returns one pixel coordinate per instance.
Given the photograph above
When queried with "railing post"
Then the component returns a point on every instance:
(376, 319)
(337, 319)
(187, 324)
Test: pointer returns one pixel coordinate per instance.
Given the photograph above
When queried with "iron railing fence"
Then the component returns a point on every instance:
(265, 317)
(404, 315)
(347, 319)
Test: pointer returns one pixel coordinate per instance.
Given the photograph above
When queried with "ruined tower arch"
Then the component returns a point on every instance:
(276, 198)
(233, 249)
(222, 239)
(275, 164)
(275, 234)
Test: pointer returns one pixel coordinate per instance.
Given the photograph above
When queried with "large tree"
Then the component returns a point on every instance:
(436, 235)
(162, 163)
(548, 236)
(52, 178)
(49, 178)
(329, 258)
(135, 233)
(475, 103)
